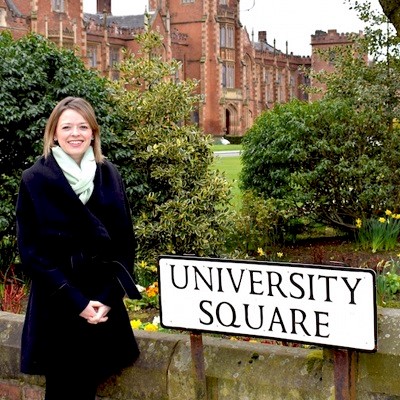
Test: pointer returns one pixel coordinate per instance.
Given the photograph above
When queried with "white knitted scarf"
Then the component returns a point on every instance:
(79, 177)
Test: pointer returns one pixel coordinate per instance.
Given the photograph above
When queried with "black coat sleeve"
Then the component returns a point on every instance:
(120, 227)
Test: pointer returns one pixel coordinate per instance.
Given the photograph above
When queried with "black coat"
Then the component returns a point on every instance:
(74, 253)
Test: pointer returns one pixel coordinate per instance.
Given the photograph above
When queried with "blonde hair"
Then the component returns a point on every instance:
(86, 110)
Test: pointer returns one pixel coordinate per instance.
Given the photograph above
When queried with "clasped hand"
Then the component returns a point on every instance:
(95, 312)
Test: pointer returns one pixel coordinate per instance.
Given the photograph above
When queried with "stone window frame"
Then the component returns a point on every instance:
(58, 6)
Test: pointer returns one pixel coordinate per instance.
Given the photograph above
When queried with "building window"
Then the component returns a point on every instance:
(227, 36)
(222, 2)
(58, 5)
(92, 56)
(228, 76)
(230, 39)
(222, 36)
(114, 56)
(187, 1)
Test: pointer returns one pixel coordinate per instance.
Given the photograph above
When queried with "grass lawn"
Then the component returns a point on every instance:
(226, 147)
(231, 167)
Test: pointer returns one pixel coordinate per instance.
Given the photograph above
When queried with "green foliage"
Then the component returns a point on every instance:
(149, 299)
(34, 75)
(7, 253)
(8, 194)
(388, 283)
(180, 205)
(379, 233)
(372, 86)
(328, 160)
(145, 273)
(337, 159)
(260, 223)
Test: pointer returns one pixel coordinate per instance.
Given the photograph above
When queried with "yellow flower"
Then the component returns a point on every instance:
(260, 251)
(152, 290)
(151, 328)
(279, 254)
(396, 216)
(388, 213)
(382, 220)
(358, 223)
(135, 323)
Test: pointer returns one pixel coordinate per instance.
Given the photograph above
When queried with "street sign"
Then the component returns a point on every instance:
(306, 303)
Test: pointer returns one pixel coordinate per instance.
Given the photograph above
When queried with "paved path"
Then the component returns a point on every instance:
(227, 153)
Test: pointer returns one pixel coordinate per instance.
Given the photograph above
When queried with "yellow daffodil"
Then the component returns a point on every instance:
(151, 328)
(260, 251)
(136, 323)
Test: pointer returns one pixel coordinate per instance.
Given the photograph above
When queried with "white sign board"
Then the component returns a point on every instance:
(306, 303)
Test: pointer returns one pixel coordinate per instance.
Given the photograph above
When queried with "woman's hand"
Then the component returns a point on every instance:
(95, 312)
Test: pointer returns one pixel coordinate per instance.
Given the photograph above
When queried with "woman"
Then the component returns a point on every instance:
(76, 243)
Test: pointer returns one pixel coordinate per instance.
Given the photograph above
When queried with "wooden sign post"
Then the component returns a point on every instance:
(199, 373)
(345, 363)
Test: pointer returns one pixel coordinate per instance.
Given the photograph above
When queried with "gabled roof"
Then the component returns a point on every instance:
(14, 9)
(259, 46)
(125, 21)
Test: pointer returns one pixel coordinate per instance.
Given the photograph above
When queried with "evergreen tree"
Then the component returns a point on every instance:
(180, 204)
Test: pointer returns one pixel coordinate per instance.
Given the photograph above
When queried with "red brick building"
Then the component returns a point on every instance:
(239, 76)
(327, 41)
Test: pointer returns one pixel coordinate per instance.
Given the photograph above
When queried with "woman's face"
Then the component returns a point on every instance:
(74, 134)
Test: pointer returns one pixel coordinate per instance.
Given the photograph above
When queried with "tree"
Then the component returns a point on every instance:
(34, 75)
(180, 204)
(336, 159)
(391, 9)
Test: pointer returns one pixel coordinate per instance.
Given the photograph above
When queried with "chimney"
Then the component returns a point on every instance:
(104, 6)
(153, 5)
(262, 36)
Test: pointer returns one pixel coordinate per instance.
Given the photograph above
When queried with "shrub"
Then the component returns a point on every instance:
(260, 223)
(34, 75)
(327, 160)
(180, 204)
(388, 283)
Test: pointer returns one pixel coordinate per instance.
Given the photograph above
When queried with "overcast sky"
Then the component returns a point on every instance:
(293, 21)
